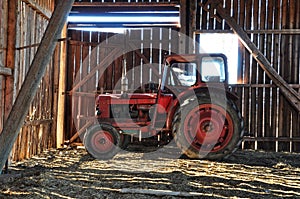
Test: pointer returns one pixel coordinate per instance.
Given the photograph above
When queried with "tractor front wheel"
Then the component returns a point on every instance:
(102, 141)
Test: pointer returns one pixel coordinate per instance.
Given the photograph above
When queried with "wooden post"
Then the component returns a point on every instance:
(10, 58)
(10, 64)
(32, 80)
(291, 95)
(60, 126)
(188, 25)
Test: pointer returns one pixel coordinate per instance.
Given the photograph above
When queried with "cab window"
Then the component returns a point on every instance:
(212, 69)
(184, 73)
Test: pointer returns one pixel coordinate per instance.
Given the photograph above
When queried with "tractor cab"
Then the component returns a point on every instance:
(184, 74)
(183, 71)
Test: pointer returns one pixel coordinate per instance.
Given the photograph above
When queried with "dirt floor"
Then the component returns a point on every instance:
(72, 173)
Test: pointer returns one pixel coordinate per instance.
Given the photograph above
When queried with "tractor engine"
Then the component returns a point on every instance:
(132, 107)
(136, 112)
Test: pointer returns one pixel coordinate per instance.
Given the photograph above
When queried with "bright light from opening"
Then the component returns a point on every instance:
(225, 43)
(118, 24)
(110, 30)
(122, 19)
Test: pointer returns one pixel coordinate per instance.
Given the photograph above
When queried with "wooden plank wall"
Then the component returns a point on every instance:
(35, 135)
(270, 122)
(142, 47)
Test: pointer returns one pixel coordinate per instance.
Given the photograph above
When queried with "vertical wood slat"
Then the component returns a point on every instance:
(70, 71)
(129, 59)
(203, 21)
(294, 22)
(283, 106)
(56, 132)
(156, 56)
(252, 69)
(102, 73)
(267, 91)
(77, 72)
(109, 72)
(276, 51)
(137, 69)
(75, 64)
(84, 65)
(260, 78)
(229, 7)
(118, 67)
(146, 51)
(94, 62)
(296, 116)
(36, 105)
(267, 105)
(291, 70)
(118, 64)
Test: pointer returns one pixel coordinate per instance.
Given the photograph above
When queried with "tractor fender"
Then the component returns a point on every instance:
(194, 91)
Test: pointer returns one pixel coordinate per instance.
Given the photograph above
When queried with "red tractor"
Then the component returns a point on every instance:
(191, 105)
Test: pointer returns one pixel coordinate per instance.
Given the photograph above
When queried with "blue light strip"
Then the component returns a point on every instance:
(116, 17)
(122, 19)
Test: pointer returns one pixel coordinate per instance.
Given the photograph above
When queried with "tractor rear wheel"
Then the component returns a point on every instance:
(102, 141)
(206, 128)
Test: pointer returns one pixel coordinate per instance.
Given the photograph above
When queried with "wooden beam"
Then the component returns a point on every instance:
(32, 80)
(260, 31)
(271, 139)
(35, 6)
(5, 71)
(291, 95)
(260, 85)
(37, 44)
(81, 131)
(275, 31)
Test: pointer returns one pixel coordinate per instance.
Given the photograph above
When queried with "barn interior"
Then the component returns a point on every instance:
(54, 53)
